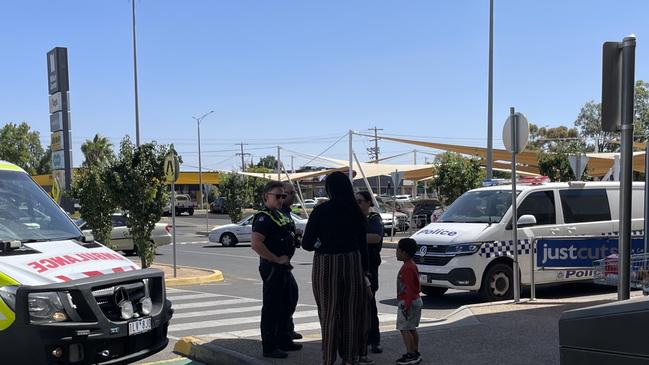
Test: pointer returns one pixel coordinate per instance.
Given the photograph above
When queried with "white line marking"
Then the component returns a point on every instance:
(194, 296)
(309, 326)
(214, 303)
(223, 254)
(231, 321)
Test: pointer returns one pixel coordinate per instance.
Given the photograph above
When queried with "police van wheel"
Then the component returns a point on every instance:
(433, 291)
(228, 239)
(191, 212)
(498, 283)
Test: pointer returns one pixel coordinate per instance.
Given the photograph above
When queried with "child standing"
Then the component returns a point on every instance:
(410, 303)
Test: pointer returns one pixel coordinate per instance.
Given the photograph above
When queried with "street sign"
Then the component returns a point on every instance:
(518, 143)
(578, 164)
(397, 178)
(57, 141)
(56, 104)
(611, 86)
(58, 160)
(56, 121)
(56, 189)
(172, 167)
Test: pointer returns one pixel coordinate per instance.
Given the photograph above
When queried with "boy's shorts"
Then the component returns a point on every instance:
(410, 320)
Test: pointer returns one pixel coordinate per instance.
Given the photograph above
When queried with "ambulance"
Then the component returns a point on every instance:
(470, 246)
(64, 298)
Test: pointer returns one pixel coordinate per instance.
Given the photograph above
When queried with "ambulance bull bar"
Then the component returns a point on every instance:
(569, 258)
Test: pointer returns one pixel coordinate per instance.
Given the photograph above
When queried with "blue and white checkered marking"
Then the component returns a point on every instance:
(505, 248)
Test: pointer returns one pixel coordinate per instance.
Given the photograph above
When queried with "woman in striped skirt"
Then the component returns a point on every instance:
(336, 231)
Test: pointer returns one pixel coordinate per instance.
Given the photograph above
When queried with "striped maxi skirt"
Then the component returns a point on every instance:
(340, 293)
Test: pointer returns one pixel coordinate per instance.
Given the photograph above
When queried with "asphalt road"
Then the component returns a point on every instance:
(242, 285)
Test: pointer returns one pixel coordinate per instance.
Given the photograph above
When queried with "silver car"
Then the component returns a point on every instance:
(231, 234)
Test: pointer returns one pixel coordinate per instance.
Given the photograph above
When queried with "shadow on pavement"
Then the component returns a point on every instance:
(218, 245)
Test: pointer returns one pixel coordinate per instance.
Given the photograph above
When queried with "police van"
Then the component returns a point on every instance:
(64, 298)
(470, 246)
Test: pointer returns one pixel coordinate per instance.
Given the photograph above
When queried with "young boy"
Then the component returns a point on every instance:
(410, 303)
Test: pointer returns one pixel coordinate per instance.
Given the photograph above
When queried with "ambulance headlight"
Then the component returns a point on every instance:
(464, 248)
(8, 295)
(46, 307)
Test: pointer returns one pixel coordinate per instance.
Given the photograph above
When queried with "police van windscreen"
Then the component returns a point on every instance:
(28, 214)
(483, 206)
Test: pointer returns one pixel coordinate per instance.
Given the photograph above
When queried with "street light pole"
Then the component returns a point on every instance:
(137, 106)
(200, 168)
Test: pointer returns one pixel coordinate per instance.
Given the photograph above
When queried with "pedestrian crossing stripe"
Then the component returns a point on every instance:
(210, 316)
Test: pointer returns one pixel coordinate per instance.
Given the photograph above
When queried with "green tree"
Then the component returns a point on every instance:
(137, 183)
(234, 189)
(641, 109)
(550, 139)
(254, 190)
(555, 165)
(91, 188)
(269, 162)
(589, 123)
(99, 150)
(454, 175)
(21, 146)
(96, 200)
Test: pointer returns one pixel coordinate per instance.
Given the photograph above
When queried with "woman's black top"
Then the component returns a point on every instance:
(339, 229)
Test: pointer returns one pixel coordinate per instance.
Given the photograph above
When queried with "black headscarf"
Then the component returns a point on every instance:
(340, 192)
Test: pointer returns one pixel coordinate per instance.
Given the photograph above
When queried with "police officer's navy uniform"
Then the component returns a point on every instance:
(293, 288)
(277, 278)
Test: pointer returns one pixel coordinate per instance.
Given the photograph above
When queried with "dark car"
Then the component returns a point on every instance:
(218, 206)
(423, 210)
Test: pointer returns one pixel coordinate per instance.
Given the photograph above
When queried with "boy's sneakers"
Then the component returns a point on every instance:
(409, 358)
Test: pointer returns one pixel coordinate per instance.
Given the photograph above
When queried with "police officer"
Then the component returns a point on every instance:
(273, 240)
(374, 244)
(289, 190)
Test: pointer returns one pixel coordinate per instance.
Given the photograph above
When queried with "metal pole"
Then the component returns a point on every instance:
(532, 283)
(628, 72)
(394, 204)
(490, 125)
(351, 175)
(137, 106)
(646, 198)
(173, 223)
(517, 294)
(376, 158)
(367, 184)
(279, 177)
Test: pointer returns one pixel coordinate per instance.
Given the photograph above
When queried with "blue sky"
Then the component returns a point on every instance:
(302, 73)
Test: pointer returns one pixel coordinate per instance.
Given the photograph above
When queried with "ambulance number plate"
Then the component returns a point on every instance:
(140, 326)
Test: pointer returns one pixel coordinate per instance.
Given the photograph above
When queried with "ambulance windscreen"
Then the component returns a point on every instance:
(28, 214)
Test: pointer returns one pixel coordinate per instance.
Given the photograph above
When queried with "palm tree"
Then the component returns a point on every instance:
(97, 151)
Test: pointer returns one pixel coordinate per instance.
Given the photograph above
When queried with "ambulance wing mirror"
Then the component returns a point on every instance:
(87, 238)
(526, 220)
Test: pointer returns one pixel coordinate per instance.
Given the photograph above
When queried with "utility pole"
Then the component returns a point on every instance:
(279, 168)
(243, 163)
(374, 152)
(292, 166)
(415, 156)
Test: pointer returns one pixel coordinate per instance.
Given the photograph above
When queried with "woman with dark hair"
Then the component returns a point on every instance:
(336, 231)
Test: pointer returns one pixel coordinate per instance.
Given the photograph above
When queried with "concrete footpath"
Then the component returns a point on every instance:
(490, 333)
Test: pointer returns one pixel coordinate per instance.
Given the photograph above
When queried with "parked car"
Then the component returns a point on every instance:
(402, 198)
(121, 238)
(184, 204)
(403, 206)
(218, 206)
(421, 215)
(308, 204)
(401, 219)
(231, 234)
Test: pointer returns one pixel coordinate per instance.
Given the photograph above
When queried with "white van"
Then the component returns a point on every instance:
(470, 246)
(64, 298)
